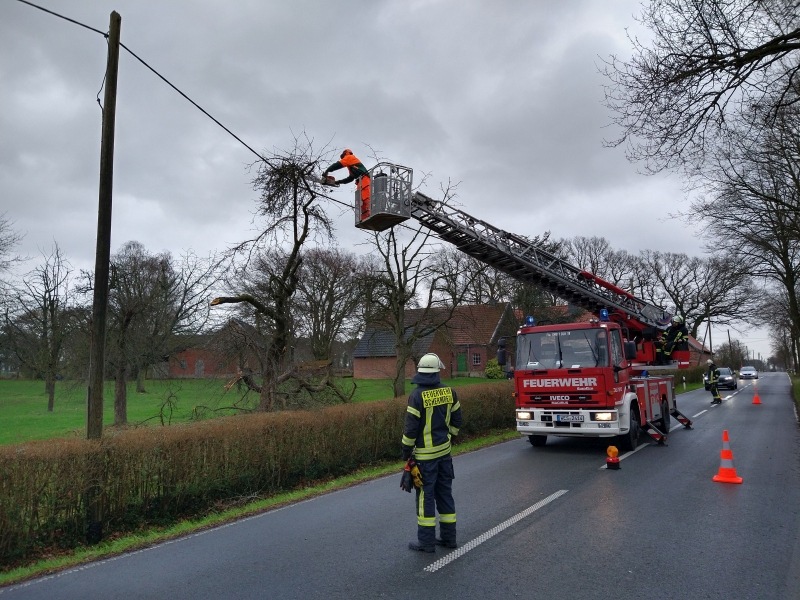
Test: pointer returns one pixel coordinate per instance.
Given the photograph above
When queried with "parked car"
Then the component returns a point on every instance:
(727, 379)
(748, 373)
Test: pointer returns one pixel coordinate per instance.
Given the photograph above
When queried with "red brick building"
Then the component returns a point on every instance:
(464, 344)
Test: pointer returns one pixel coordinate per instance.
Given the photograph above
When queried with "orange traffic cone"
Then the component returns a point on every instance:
(727, 472)
(756, 399)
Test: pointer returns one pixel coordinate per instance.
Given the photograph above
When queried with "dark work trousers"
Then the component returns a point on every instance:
(436, 495)
(715, 397)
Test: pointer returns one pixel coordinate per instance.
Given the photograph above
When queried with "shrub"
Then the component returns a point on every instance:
(154, 475)
(494, 370)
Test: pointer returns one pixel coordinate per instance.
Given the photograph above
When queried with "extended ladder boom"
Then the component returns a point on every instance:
(519, 258)
(393, 202)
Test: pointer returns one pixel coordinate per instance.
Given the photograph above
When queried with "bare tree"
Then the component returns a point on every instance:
(463, 278)
(40, 316)
(290, 204)
(154, 302)
(705, 64)
(396, 287)
(701, 290)
(595, 255)
(785, 339)
(752, 205)
(328, 294)
(405, 277)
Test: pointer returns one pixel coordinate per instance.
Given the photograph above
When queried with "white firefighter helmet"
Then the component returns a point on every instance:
(709, 362)
(677, 319)
(430, 363)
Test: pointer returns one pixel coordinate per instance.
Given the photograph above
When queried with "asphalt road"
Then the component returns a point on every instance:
(547, 523)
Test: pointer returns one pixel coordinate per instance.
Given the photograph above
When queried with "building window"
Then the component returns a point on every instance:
(476, 359)
(183, 364)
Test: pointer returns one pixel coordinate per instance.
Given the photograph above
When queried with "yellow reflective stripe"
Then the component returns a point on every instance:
(457, 405)
(426, 521)
(421, 505)
(431, 453)
(413, 411)
(407, 441)
(427, 433)
(453, 430)
(450, 518)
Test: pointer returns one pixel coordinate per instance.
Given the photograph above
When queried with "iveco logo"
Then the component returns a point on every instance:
(559, 397)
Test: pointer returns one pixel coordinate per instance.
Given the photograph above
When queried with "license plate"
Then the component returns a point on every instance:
(569, 418)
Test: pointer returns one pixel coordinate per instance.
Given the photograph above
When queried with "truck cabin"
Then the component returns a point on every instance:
(568, 347)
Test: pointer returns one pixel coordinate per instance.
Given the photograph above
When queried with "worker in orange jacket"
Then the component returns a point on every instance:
(358, 173)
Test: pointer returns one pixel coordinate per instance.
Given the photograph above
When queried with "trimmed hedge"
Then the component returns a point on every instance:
(149, 476)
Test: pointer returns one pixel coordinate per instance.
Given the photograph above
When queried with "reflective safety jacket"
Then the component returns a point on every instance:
(355, 168)
(433, 416)
(713, 375)
(676, 337)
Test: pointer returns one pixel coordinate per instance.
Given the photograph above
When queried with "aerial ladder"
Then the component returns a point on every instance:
(394, 201)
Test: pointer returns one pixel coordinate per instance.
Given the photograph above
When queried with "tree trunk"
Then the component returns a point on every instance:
(140, 381)
(120, 398)
(50, 389)
(399, 383)
(267, 397)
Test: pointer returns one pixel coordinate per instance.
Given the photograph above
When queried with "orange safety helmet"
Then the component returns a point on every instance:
(345, 152)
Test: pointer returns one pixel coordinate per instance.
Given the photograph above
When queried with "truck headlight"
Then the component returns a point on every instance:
(604, 416)
(523, 415)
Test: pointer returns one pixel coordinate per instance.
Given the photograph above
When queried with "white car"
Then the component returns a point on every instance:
(748, 373)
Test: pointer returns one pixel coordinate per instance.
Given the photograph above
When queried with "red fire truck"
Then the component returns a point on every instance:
(592, 379)
(584, 380)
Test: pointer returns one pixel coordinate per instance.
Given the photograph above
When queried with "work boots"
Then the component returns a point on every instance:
(419, 547)
(447, 535)
(426, 540)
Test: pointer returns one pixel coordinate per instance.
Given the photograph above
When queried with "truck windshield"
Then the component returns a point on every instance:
(563, 349)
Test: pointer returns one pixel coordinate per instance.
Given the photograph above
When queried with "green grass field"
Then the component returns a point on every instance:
(24, 416)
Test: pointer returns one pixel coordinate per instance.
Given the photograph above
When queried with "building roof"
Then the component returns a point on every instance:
(476, 324)
(473, 324)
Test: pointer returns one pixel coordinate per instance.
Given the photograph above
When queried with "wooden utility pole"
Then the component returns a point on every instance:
(97, 360)
(94, 421)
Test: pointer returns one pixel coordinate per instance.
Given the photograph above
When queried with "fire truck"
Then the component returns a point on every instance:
(600, 378)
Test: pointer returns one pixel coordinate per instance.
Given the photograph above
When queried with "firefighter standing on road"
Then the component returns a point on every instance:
(358, 173)
(433, 415)
(713, 378)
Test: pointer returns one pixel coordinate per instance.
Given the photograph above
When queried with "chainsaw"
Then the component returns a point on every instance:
(328, 180)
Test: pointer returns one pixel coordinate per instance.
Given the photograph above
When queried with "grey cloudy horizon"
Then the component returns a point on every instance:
(503, 99)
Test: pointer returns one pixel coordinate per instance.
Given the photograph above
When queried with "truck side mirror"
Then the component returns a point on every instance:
(630, 350)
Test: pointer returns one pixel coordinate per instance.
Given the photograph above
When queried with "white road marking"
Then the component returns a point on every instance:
(462, 550)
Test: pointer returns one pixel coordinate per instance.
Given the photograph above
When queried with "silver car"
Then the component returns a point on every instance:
(748, 373)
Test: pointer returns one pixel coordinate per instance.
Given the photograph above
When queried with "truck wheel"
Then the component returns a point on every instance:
(629, 441)
(537, 441)
(665, 421)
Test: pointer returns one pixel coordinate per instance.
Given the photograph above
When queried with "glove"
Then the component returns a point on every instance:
(411, 478)
(415, 473)
(406, 481)
(407, 452)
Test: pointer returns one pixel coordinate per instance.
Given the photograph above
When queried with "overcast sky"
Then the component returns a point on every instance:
(503, 98)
